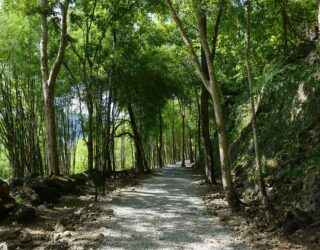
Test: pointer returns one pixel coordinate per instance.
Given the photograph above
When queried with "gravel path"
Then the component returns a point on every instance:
(165, 212)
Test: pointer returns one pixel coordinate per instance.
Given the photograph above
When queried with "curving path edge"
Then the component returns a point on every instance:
(165, 212)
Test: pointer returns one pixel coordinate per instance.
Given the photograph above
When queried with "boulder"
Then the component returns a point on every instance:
(79, 179)
(30, 195)
(10, 206)
(25, 214)
(4, 189)
(3, 211)
(62, 185)
(309, 201)
(45, 192)
(296, 219)
(59, 227)
(15, 183)
(6, 206)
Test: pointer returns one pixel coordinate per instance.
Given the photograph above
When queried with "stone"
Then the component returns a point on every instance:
(57, 237)
(4, 189)
(79, 211)
(309, 201)
(281, 175)
(59, 227)
(9, 235)
(296, 219)
(80, 179)
(10, 206)
(42, 207)
(49, 205)
(3, 246)
(250, 192)
(25, 214)
(313, 239)
(30, 195)
(66, 234)
(110, 212)
(62, 185)
(45, 191)
(15, 183)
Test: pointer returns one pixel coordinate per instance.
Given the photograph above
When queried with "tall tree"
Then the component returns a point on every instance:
(261, 184)
(49, 80)
(160, 148)
(212, 87)
(183, 142)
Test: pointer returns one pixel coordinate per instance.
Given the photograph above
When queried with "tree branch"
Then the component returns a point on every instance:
(62, 46)
(188, 44)
(124, 134)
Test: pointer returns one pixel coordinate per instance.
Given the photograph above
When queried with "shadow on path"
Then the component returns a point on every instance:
(165, 212)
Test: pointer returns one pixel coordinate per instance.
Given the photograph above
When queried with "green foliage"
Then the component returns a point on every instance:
(311, 162)
(130, 51)
(5, 169)
(81, 157)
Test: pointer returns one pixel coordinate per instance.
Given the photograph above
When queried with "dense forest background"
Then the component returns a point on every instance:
(231, 85)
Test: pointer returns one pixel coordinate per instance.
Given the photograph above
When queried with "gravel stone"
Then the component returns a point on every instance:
(165, 212)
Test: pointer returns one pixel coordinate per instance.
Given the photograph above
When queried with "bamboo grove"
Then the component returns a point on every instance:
(118, 84)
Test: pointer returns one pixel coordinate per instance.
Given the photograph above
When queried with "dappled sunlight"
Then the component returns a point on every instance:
(165, 213)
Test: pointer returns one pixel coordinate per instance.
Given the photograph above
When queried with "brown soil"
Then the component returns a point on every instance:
(250, 224)
(66, 222)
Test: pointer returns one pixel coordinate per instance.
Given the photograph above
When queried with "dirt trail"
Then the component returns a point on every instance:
(164, 212)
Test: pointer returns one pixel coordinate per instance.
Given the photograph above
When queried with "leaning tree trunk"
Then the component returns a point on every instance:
(229, 189)
(261, 184)
(212, 87)
(208, 150)
(141, 160)
(49, 81)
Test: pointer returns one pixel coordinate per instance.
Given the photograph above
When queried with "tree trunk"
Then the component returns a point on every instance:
(284, 17)
(208, 152)
(49, 81)
(51, 143)
(123, 152)
(182, 112)
(191, 156)
(198, 150)
(173, 135)
(231, 195)
(160, 149)
(141, 160)
(107, 166)
(318, 19)
(261, 184)
(212, 87)
(90, 132)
